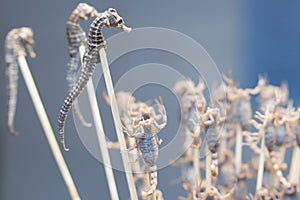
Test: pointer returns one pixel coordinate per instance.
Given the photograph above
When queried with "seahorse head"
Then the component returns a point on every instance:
(86, 11)
(26, 38)
(114, 20)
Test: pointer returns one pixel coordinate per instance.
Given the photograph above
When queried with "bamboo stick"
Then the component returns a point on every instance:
(294, 169)
(47, 128)
(263, 150)
(298, 171)
(196, 165)
(118, 125)
(207, 168)
(261, 165)
(154, 195)
(281, 156)
(100, 135)
(238, 149)
(134, 156)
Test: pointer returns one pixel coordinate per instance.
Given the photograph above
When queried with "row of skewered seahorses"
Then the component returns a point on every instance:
(217, 126)
(143, 129)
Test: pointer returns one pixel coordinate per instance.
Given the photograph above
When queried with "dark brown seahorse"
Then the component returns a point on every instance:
(109, 18)
(77, 37)
(16, 43)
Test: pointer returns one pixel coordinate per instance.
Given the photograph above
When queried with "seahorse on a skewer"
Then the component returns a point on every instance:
(77, 37)
(109, 18)
(16, 43)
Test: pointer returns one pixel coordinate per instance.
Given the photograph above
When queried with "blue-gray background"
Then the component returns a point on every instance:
(247, 38)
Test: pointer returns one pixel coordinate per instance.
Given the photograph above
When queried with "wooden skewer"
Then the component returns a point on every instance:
(154, 196)
(118, 124)
(294, 170)
(136, 167)
(281, 156)
(263, 150)
(298, 170)
(47, 128)
(238, 149)
(100, 135)
(261, 165)
(207, 169)
(196, 165)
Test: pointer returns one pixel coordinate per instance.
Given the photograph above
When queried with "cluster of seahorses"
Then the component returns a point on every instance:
(19, 38)
(145, 128)
(218, 125)
(230, 114)
(95, 42)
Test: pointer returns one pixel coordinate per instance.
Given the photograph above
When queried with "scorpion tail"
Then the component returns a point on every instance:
(214, 165)
(12, 74)
(153, 182)
(278, 171)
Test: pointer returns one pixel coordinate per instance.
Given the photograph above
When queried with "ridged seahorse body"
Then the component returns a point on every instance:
(16, 43)
(77, 37)
(109, 18)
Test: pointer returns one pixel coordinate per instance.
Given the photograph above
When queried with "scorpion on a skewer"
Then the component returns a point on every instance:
(130, 113)
(192, 101)
(239, 105)
(210, 120)
(268, 125)
(145, 131)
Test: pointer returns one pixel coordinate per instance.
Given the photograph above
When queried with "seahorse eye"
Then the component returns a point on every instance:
(121, 21)
(112, 10)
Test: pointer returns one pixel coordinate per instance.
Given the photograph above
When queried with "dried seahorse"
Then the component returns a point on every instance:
(145, 133)
(16, 41)
(109, 18)
(76, 37)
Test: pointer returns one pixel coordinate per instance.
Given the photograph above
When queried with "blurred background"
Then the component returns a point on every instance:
(244, 39)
